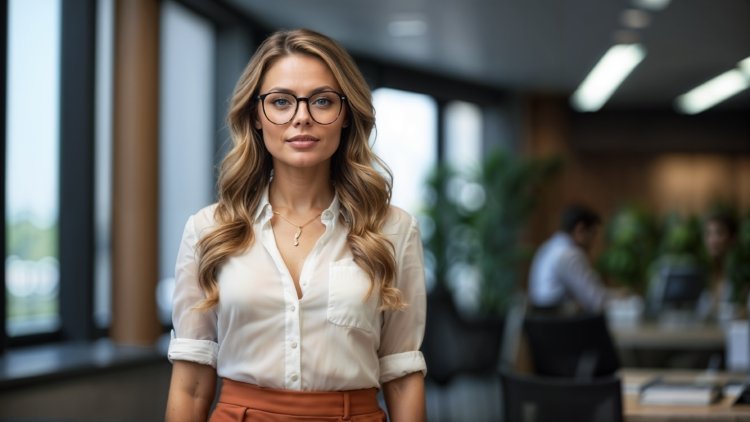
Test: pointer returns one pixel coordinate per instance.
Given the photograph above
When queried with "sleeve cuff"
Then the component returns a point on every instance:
(199, 351)
(400, 364)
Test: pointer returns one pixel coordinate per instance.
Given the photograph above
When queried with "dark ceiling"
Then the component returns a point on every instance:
(536, 45)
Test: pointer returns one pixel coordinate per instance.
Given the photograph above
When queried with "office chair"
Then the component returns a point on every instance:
(453, 346)
(528, 398)
(571, 346)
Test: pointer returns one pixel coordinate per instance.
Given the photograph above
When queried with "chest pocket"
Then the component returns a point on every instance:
(348, 303)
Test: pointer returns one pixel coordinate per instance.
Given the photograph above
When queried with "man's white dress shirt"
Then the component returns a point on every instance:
(561, 272)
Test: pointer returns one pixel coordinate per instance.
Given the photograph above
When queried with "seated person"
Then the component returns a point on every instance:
(719, 235)
(561, 276)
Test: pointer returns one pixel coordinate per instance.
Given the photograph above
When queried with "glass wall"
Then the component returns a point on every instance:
(405, 137)
(103, 162)
(31, 264)
(463, 152)
(463, 135)
(187, 132)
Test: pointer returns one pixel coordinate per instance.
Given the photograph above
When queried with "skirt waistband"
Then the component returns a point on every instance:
(310, 403)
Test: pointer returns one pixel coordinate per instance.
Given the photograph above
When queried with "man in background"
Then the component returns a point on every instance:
(562, 278)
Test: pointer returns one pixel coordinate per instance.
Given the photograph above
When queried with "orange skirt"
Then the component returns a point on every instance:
(242, 402)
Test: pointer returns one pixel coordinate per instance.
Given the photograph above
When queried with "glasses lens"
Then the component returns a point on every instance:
(325, 107)
(279, 107)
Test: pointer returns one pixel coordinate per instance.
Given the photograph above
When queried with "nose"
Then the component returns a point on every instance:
(302, 115)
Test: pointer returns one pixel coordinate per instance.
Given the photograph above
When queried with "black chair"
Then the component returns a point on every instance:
(571, 346)
(453, 346)
(529, 398)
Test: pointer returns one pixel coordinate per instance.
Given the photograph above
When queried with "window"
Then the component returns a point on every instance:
(31, 264)
(405, 137)
(463, 152)
(103, 162)
(463, 136)
(187, 132)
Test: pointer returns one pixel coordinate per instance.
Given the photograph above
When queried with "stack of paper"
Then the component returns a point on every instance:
(680, 393)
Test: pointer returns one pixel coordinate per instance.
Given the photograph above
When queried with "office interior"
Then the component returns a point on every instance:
(113, 127)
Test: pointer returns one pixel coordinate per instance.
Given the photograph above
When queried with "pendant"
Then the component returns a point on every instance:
(296, 236)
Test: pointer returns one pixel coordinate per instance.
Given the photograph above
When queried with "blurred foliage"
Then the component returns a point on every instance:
(477, 220)
(738, 265)
(682, 238)
(637, 243)
(30, 241)
(631, 239)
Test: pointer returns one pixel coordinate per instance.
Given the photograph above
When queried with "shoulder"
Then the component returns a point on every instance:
(399, 222)
(203, 219)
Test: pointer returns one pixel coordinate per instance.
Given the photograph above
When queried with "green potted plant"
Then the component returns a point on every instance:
(475, 223)
(631, 238)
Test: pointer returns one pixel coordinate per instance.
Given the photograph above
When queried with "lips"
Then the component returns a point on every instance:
(302, 141)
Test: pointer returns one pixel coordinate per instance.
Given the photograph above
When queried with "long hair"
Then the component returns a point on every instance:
(363, 192)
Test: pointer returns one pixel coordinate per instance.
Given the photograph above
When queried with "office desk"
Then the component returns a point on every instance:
(656, 336)
(632, 379)
(652, 344)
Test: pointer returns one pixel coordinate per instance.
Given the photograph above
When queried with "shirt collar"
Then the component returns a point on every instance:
(265, 212)
(264, 207)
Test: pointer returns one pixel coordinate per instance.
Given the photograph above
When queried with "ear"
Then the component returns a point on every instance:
(256, 123)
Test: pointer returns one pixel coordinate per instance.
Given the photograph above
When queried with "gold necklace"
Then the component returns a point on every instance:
(298, 233)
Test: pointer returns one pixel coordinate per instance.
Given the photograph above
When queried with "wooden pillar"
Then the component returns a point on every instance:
(135, 178)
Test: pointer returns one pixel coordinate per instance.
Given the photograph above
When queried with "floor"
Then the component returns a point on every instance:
(466, 398)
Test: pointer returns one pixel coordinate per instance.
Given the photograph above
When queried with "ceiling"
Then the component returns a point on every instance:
(545, 46)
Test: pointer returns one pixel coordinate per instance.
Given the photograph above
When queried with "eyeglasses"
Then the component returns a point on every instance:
(280, 108)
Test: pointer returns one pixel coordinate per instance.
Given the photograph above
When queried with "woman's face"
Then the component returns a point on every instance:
(717, 239)
(302, 142)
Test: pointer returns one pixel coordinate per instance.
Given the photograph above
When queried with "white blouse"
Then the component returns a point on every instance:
(329, 340)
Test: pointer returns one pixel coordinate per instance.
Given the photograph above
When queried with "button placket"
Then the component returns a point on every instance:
(291, 352)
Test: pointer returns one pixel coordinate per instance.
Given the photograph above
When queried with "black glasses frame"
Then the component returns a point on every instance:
(262, 99)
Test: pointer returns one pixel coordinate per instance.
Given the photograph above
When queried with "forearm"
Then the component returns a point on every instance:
(183, 408)
(191, 392)
(405, 398)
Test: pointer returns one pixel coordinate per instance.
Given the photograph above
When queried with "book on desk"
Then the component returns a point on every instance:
(669, 392)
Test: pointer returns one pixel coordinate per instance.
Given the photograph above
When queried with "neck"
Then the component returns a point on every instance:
(300, 193)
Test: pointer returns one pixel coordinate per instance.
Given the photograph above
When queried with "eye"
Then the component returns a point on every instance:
(322, 101)
(280, 101)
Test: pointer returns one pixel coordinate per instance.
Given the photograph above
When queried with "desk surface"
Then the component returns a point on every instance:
(654, 336)
(632, 379)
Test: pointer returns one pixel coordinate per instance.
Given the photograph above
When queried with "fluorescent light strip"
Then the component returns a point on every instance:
(606, 76)
(715, 90)
(744, 66)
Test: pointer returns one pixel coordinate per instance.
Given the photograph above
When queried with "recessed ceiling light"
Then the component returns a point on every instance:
(635, 18)
(407, 27)
(614, 66)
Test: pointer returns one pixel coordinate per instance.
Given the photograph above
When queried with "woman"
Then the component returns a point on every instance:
(302, 289)
(723, 299)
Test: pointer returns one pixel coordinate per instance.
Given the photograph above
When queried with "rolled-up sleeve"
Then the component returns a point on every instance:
(194, 336)
(403, 331)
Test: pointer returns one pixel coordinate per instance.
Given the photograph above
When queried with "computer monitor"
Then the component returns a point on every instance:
(677, 287)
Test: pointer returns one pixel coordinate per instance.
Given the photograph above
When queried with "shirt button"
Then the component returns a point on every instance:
(294, 377)
(327, 215)
(292, 308)
(294, 345)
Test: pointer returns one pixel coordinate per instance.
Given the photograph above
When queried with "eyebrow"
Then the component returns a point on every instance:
(313, 92)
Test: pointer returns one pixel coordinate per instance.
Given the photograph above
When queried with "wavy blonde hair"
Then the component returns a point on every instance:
(363, 192)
